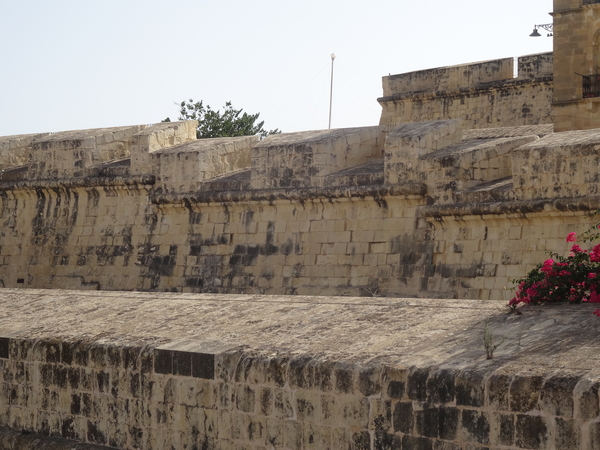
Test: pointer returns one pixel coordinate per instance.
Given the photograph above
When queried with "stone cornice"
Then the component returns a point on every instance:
(299, 195)
(574, 204)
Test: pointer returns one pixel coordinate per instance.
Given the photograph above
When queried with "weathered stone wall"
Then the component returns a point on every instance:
(305, 159)
(483, 95)
(425, 210)
(160, 371)
(16, 150)
(114, 237)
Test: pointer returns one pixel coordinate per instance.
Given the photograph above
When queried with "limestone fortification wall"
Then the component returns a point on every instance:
(466, 185)
(483, 95)
(425, 209)
(158, 371)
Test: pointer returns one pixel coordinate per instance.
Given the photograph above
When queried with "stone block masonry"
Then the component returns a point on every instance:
(424, 209)
(189, 371)
(483, 95)
(300, 160)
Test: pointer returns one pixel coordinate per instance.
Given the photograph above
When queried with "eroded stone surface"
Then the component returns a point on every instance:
(484, 94)
(149, 371)
(401, 331)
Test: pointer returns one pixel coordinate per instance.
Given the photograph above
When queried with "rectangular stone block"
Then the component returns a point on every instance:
(531, 432)
(4, 347)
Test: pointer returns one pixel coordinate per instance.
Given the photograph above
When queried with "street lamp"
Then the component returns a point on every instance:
(549, 27)
(331, 89)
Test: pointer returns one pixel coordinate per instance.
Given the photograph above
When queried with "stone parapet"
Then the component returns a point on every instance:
(124, 370)
(185, 167)
(15, 150)
(158, 137)
(483, 95)
(539, 65)
(466, 77)
(305, 159)
(435, 154)
(468, 164)
(68, 154)
(559, 165)
(450, 78)
(407, 143)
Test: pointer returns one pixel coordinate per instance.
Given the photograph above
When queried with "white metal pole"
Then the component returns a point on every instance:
(331, 89)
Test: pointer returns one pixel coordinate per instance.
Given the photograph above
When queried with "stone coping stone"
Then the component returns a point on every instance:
(89, 133)
(503, 132)
(203, 145)
(471, 146)
(22, 137)
(237, 180)
(567, 139)
(500, 190)
(368, 168)
(310, 137)
(397, 332)
(505, 183)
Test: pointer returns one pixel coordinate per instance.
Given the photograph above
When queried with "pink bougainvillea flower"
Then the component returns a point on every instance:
(547, 267)
(572, 279)
(595, 254)
(594, 297)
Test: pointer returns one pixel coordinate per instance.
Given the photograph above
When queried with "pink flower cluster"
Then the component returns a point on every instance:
(573, 279)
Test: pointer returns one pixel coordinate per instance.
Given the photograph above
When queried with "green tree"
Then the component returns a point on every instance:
(213, 124)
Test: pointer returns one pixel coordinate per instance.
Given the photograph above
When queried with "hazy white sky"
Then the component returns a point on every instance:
(75, 64)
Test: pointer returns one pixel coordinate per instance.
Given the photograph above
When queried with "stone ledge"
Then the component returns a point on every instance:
(337, 328)
(69, 183)
(404, 189)
(117, 368)
(461, 92)
(512, 207)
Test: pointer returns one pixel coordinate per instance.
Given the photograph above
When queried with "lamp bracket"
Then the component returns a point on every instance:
(549, 27)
